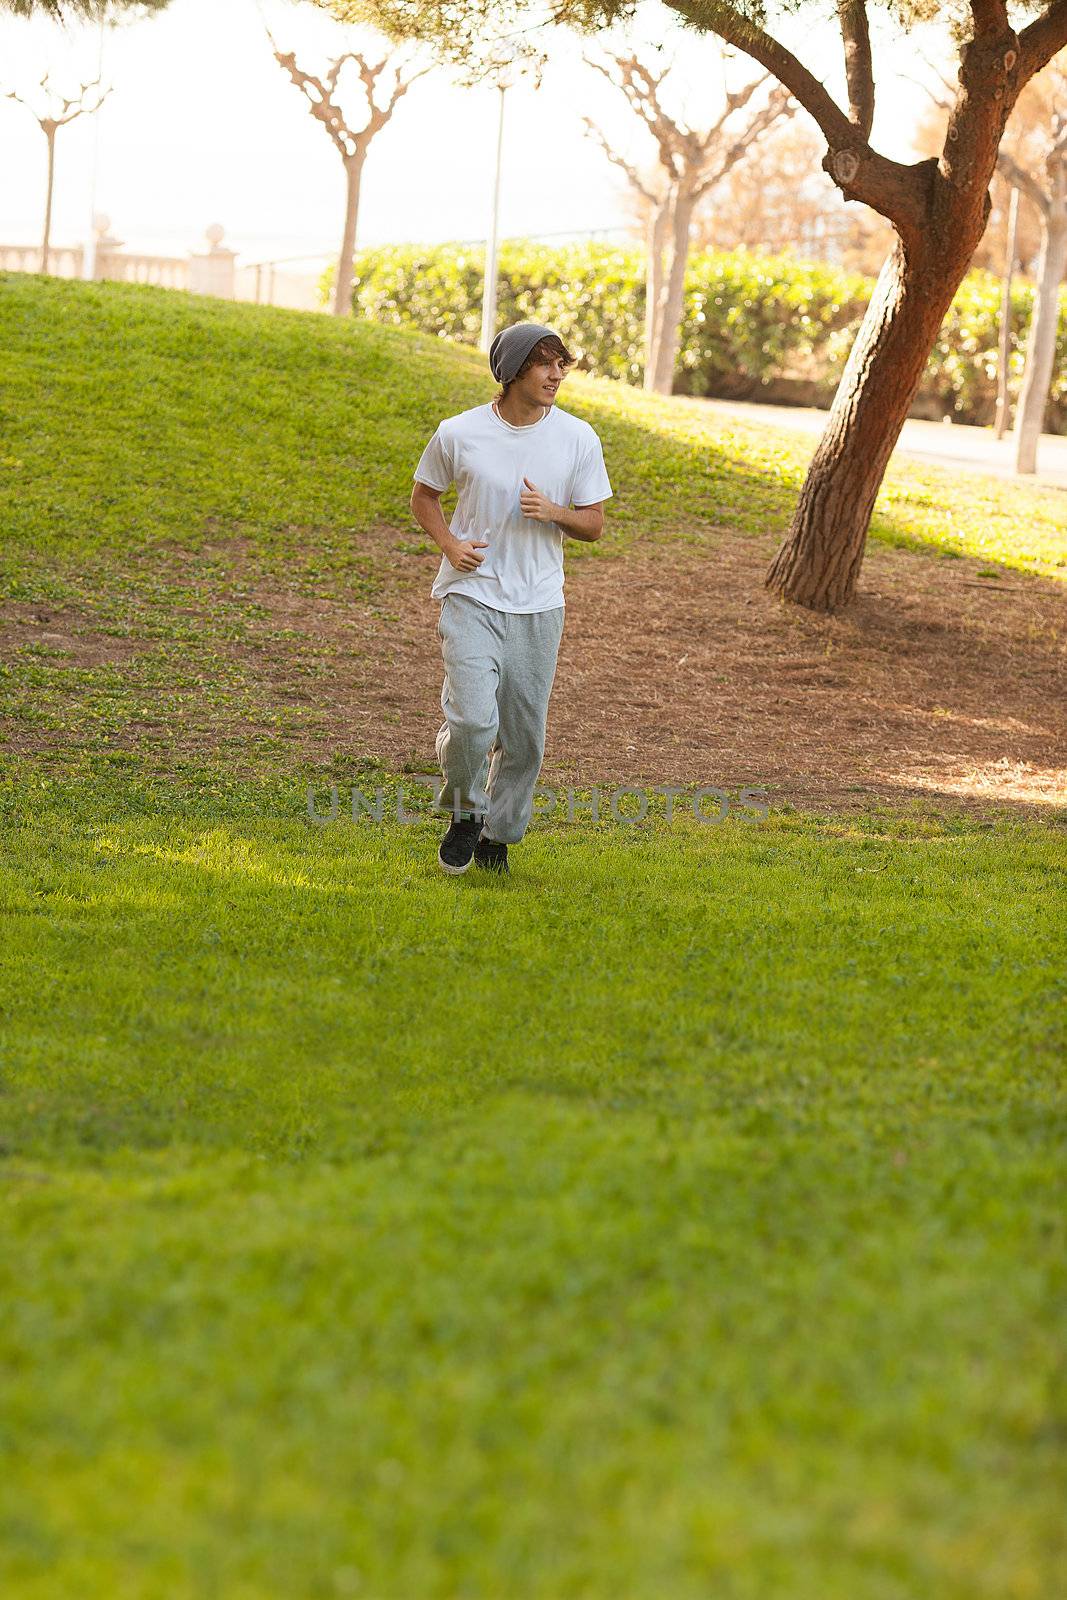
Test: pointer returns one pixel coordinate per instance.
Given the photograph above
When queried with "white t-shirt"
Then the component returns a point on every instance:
(487, 459)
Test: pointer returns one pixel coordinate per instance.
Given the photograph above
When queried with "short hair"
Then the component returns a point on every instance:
(550, 345)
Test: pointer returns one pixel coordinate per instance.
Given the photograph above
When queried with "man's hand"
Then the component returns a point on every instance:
(463, 554)
(537, 505)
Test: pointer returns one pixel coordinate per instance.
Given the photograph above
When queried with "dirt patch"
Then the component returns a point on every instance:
(62, 634)
(676, 667)
(681, 667)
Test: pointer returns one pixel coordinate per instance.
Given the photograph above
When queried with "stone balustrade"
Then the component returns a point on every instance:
(64, 261)
(209, 271)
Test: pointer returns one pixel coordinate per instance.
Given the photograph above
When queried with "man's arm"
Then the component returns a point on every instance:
(582, 522)
(426, 509)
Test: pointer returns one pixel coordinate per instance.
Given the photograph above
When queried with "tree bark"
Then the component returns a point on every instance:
(1041, 342)
(342, 293)
(939, 208)
(653, 287)
(673, 298)
(819, 561)
(46, 241)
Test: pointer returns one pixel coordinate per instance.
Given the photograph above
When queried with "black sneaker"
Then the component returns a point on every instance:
(492, 854)
(457, 846)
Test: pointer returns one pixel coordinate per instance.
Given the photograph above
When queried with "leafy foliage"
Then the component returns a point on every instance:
(85, 10)
(963, 362)
(748, 319)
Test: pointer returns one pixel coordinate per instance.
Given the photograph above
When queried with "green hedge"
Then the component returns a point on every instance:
(752, 324)
(962, 369)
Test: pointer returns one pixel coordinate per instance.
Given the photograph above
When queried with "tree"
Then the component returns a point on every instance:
(351, 143)
(779, 200)
(1043, 179)
(57, 112)
(938, 209)
(1032, 161)
(693, 165)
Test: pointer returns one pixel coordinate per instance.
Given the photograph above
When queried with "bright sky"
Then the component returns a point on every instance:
(203, 126)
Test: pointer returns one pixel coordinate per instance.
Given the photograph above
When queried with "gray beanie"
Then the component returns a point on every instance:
(510, 348)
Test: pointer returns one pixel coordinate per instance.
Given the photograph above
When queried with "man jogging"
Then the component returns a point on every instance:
(519, 465)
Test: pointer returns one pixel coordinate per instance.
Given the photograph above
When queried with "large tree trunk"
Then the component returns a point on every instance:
(657, 238)
(819, 561)
(342, 292)
(674, 296)
(46, 240)
(1041, 343)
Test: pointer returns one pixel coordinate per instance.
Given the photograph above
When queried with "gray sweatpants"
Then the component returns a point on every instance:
(499, 667)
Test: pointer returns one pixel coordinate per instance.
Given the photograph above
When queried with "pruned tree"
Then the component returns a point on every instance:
(57, 111)
(351, 143)
(692, 164)
(938, 209)
(1032, 161)
(779, 200)
(1044, 182)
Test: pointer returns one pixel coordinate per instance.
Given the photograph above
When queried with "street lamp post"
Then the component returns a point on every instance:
(503, 58)
(489, 279)
(89, 252)
(1000, 422)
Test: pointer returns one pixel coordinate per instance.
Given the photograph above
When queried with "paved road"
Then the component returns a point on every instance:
(945, 444)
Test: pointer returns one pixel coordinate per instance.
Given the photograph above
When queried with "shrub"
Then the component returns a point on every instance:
(751, 324)
(962, 369)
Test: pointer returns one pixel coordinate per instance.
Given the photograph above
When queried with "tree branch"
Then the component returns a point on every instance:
(1059, 147)
(989, 85)
(322, 107)
(70, 107)
(400, 88)
(685, 153)
(859, 70)
(1022, 180)
(639, 86)
(351, 142)
(897, 191)
(715, 17)
(630, 172)
(734, 102)
(778, 105)
(990, 16)
(1044, 38)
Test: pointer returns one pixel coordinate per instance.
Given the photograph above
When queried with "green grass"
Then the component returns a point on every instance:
(181, 418)
(683, 1216)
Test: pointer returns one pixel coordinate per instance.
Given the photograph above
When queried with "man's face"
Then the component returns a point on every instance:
(540, 385)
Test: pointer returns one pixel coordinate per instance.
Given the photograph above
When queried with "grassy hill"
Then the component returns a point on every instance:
(181, 416)
(681, 1217)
